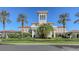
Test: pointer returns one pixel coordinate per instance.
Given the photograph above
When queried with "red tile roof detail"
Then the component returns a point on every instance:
(60, 27)
(8, 31)
(24, 27)
(75, 31)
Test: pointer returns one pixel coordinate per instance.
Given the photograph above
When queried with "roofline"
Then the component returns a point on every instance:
(24, 27)
(42, 12)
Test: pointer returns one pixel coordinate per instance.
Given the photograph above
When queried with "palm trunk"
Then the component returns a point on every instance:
(22, 28)
(22, 33)
(4, 34)
(64, 30)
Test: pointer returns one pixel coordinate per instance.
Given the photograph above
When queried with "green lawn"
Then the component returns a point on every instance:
(40, 41)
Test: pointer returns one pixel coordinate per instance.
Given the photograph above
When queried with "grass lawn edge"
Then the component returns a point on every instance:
(37, 44)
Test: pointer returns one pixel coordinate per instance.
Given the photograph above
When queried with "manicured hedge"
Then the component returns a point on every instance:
(18, 39)
(19, 35)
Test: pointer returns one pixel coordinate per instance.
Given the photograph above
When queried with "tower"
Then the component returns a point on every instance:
(42, 16)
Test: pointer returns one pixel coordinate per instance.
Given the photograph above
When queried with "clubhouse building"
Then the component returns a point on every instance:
(43, 19)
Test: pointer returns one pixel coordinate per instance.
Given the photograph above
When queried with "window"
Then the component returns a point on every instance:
(42, 17)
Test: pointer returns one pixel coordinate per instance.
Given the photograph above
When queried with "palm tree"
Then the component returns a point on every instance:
(4, 19)
(44, 29)
(22, 19)
(63, 18)
(77, 20)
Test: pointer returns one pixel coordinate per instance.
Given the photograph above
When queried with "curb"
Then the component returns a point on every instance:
(36, 44)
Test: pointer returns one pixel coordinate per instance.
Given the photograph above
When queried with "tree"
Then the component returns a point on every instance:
(23, 19)
(44, 29)
(63, 18)
(4, 19)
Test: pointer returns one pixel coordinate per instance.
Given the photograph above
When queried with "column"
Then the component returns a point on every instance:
(33, 33)
(54, 34)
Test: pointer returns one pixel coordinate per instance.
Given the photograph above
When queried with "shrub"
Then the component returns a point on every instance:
(27, 35)
(18, 35)
(12, 35)
(17, 39)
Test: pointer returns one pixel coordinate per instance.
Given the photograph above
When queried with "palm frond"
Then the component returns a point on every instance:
(18, 20)
(63, 18)
(22, 18)
(64, 15)
(77, 14)
(77, 21)
(60, 21)
(4, 13)
(4, 16)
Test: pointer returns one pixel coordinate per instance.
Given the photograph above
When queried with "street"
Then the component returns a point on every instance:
(39, 48)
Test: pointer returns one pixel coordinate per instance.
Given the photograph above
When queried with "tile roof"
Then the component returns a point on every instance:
(60, 27)
(8, 31)
(75, 31)
(24, 27)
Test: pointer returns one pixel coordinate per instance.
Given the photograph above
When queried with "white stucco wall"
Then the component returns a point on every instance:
(50, 34)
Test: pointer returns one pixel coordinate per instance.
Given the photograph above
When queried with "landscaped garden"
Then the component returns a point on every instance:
(30, 40)
(25, 38)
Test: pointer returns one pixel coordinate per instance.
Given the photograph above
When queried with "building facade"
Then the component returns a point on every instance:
(42, 19)
(24, 29)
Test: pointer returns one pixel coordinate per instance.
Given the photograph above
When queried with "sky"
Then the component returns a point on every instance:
(31, 13)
